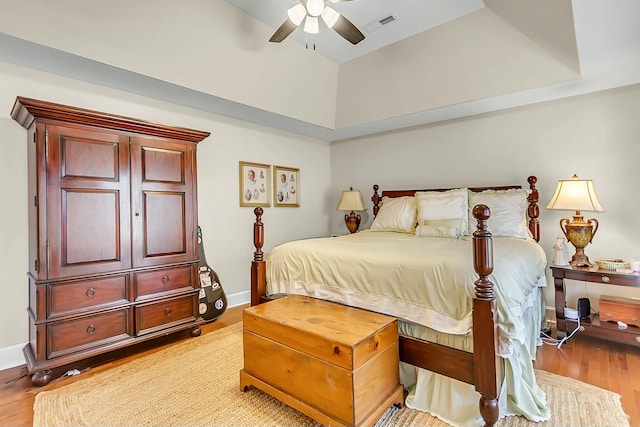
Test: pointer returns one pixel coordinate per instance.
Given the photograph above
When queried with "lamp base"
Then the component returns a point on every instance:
(580, 259)
(352, 221)
(580, 233)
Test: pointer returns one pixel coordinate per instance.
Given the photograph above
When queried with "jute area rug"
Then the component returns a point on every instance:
(195, 383)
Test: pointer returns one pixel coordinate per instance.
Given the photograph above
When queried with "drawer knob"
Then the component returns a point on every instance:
(582, 328)
(608, 314)
(91, 292)
(605, 279)
(167, 311)
(165, 279)
(91, 329)
(637, 339)
(634, 318)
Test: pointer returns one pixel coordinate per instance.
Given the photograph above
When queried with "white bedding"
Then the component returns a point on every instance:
(422, 280)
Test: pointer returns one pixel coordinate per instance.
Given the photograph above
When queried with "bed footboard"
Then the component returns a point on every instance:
(483, 368)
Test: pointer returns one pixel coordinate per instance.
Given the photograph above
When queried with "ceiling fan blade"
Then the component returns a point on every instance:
(283, 31)
(346, 29)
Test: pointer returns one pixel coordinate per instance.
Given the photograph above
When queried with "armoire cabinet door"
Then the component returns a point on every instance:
(87, 203)
(163, 201)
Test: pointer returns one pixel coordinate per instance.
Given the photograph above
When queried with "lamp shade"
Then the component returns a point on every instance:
(351, 200)
(315, 7)
(330, 16)
(297, 13)
(575, 195)
(311, 25)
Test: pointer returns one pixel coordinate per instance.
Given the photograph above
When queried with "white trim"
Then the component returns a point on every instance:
(239, 298)
(550, 314)
(11, 356)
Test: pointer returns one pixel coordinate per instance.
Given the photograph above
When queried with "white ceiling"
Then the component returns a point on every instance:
(412, 17)
(599, 39)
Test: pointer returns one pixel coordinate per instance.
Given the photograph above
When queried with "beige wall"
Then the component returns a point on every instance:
(206, 45)
(595, 136)
(227, 228)
(473, 57)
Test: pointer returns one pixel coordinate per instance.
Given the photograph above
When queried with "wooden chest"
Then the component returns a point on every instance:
(336, 364)
(618, 309)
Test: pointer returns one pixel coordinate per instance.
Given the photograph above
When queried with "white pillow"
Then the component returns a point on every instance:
(440, 228)
(508, 212)
(396, 214)
(442, 213)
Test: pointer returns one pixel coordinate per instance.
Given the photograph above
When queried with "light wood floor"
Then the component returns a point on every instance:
(615, 367)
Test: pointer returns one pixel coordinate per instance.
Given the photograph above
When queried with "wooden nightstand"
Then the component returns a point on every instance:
(593, 326)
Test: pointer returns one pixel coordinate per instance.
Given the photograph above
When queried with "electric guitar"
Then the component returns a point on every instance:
(213, 301)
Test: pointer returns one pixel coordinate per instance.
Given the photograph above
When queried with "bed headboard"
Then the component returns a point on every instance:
(533, 211)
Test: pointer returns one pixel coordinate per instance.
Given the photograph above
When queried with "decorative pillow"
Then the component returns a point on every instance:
(508, 212)
(442, 213)
(396, 214)
(439, 228)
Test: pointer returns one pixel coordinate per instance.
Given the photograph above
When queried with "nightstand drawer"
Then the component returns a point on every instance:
(618, 309)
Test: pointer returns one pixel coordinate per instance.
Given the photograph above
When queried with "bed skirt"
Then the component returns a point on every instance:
(455, 402)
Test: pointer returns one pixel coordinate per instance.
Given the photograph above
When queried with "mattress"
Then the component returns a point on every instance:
(421, 280)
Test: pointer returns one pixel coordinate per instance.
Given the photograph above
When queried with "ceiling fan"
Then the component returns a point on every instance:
(309, 11)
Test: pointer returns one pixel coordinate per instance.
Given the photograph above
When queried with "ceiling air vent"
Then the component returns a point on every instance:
(378, 23)
(387, 19)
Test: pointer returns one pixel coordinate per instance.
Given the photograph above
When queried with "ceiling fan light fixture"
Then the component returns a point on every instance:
(297, 13)
(311, 25)
(315, 7)
(330, 16)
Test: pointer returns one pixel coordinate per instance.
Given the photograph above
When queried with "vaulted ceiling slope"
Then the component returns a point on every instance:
(215, 57)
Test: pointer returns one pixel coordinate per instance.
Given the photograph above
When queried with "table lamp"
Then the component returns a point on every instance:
(351, 200)
(577, 195)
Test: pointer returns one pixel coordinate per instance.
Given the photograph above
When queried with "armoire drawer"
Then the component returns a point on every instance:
(92, 331)
(163, 314)
(164, 280)
(72, 297)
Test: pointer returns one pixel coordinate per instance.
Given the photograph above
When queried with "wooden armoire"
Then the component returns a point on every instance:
(113, 253)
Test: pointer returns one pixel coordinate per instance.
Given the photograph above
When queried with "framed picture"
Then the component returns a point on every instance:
(286, 186)
(254, 184)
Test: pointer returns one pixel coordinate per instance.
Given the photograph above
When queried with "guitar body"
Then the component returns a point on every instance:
(213, 301)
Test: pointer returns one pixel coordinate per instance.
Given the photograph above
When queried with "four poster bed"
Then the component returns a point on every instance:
(476, 327)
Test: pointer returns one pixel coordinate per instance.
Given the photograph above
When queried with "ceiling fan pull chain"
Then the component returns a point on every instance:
(306, 42)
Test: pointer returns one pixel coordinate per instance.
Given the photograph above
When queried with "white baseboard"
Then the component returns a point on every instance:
(11, 356)
(239, 298)
(550, 314)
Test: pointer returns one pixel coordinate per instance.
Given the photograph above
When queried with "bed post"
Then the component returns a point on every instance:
(487, 366)
(376, 200)
(258, 268)
(533, 211)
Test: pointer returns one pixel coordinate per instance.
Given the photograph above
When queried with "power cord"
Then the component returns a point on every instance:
(546, 339)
